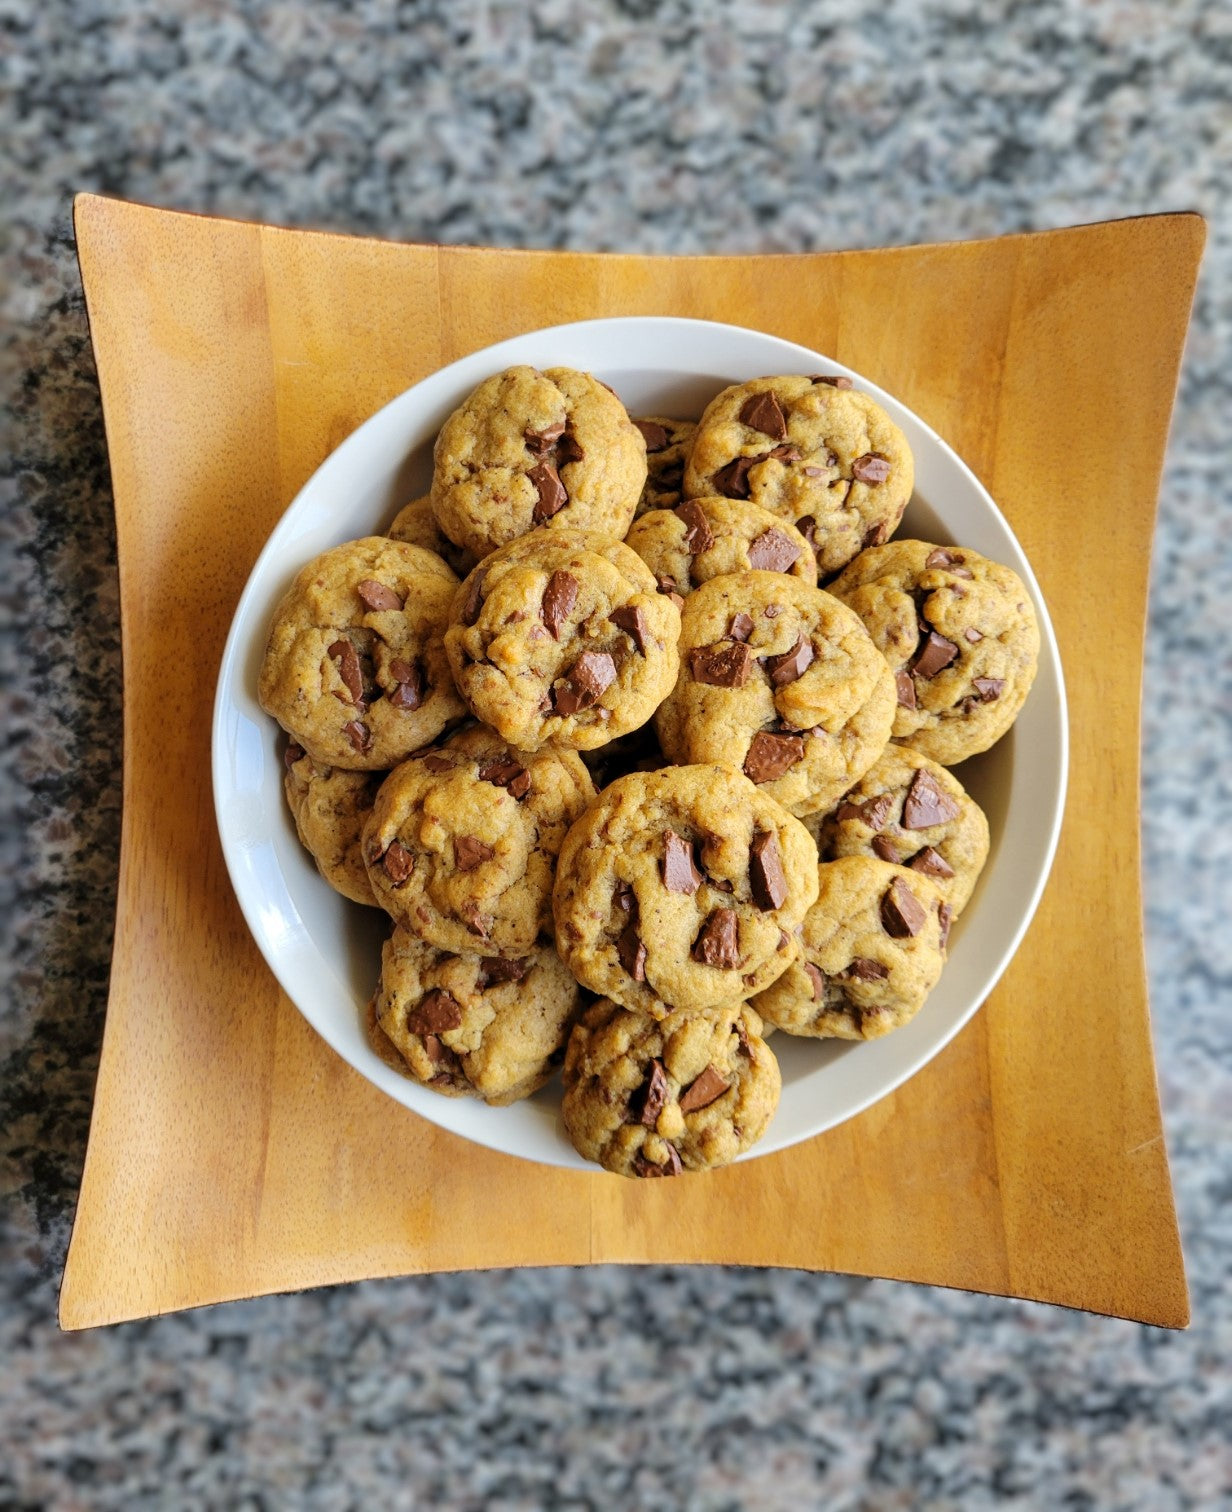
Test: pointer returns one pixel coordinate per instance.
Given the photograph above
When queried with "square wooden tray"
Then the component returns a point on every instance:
(232, 1153)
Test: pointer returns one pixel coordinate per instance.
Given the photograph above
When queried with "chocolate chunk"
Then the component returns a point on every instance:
(772, 611)
(732, 481)
(807, 524)
(435, 1051)
(500, 969)
(906, 690)
(926, 804)
(874, 535)
(552, 495)
(833, 381)
(435, 761)
(409, 689)
(292, 754)
(568, 449)
(717, 943)
(876, 811)
(865, 970)
(469, 853)
(781, 454)
(872, 467)
(539, 442)
(973, 635)
(644, 1167)
(902, 914)
(937, 652)
(438, 1012)
(343, 652)
(503, 771)
(629, 617)
(772, 755)
(654, 435)
(474, 920)
(792, 664)
(671, 589)
(585, 682)
(818, 981)
(887, 851)
(989, 689)
(698, 536)
(377, 596)
(398, 863)
(474, 596)
(726, 664)
(624, 898)
(947, 560)
(766, 880)
(772, 551)
(680, 873)
(632, 952)
(932, 863)
(741, 627)
(945, 917)
(848, 811)
(359, 735)
(708, 1088)
(762, 412)
(654, 1095)
(559, 598)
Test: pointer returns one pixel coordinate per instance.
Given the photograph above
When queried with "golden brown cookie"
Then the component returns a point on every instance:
(705, 538)
(811, 449)
(960, 635)
(528, 448)
(680, 889)
(484, 1026)
(463, 838)
(330, 808)
(667, 447)
(416, 524)
(654, 1097)
(562, 638)
(355, 668)
(871, 950)
(779, 680)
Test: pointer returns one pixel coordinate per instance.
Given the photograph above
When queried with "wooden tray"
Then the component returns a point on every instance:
(231, 1153)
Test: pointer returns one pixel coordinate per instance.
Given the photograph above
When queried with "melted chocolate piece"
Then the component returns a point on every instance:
(552, 496)
(698, 536)
(772, 551)
(585, 682)
(906, 690)
(654, 435)
(792, 664)
(680, 873)
(871, 468)
(436, 1014)
(717, 943)
(725, 664)
(474, 596)
(902, 914)
(732, 481)
(707, 1088)
(538, 443)
(359, 735)
(865, 970)
(932, 863)
(559, 597)
(762, 412)
(766, 880)
(468, 853)
(771, 755)
(833, 381)
(654, 1095)
(936, 653)
(644, 1167)
(631, 951)
(506, 773)
(926, 804)
(989, 689)
(885, 850)
(629, 618)
(398, 863)
(410, 686)
(818, 981)
(741, 627)
(377, 596)
(500, 969)
(344, 654)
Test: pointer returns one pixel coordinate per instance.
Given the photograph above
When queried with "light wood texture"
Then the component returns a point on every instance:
(231, 1153)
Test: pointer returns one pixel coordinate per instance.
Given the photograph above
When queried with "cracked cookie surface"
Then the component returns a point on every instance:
(330, 808)
(706, 538)
(563, 638)
(463, 838)
(781, 681)
(355, 668)
(531, 448)
(680, 889)
(649, 1097)
(473, 1025)
(811, 449)
(667, 449)
(960, 635)
(870, 952)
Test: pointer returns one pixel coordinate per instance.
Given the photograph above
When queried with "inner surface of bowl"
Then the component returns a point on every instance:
(325, 951)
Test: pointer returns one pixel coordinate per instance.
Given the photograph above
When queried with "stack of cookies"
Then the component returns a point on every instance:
(632, 787)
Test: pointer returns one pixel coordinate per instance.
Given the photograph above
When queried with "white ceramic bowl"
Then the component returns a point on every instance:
(325, 952)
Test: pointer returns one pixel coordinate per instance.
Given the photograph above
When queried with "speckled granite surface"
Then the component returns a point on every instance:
(677, 126)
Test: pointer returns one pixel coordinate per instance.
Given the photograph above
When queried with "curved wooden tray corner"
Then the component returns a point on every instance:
(231, 1153)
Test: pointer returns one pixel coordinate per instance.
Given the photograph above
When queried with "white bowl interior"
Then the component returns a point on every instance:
(325, 951)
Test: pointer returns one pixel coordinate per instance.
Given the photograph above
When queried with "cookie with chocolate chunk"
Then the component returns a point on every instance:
(563, 638)
(330, 808)
(648, 1097)
(780, 680)
(911, 811)
(462, 842)
(489, 1026)
(416, 524)
(814, 451)
(529, 448)
(705, 538)
(667, 447)
(680, 889)
(870, 952)
(355, 668)
(960, 634)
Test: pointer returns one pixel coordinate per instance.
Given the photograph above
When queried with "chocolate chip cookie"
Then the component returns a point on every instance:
(871, 950)
(779, 680)
(705, 538)
(355, 668)
(960, 635)
(911, 811)
(330, 808)
(416, 524)
(655, 1097)
(667, 447)
(528, 448)
(811, 449)
(563, 638)
(680, 889)
(462, 842)
(474, 1025)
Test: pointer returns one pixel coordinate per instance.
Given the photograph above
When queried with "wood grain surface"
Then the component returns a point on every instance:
(232, 1153)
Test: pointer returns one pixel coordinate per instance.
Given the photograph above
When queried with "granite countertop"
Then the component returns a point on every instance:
(681, 126)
